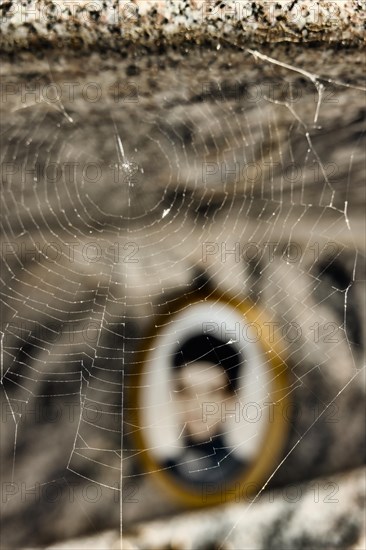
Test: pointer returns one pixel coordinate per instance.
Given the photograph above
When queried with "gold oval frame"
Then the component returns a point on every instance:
(265, 463)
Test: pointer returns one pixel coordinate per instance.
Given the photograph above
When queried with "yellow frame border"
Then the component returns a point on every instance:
(275, 437)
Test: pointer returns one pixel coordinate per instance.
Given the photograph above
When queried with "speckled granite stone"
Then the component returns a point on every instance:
(326, 513)
(111, 24)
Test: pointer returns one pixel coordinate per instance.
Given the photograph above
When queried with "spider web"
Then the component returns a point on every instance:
(122, 193)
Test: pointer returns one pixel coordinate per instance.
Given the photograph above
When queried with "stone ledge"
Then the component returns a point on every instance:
(322, 513)
(111, 25)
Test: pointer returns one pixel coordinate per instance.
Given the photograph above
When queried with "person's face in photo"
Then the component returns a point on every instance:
(196, 385)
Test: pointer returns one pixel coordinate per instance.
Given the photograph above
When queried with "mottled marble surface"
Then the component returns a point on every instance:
(326, 513)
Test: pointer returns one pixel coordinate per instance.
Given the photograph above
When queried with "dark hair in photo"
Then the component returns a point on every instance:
(205, 347)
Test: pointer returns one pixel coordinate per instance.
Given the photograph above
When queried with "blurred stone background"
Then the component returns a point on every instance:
(177, 107)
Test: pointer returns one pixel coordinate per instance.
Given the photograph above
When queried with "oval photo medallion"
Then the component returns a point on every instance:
(210, 400)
